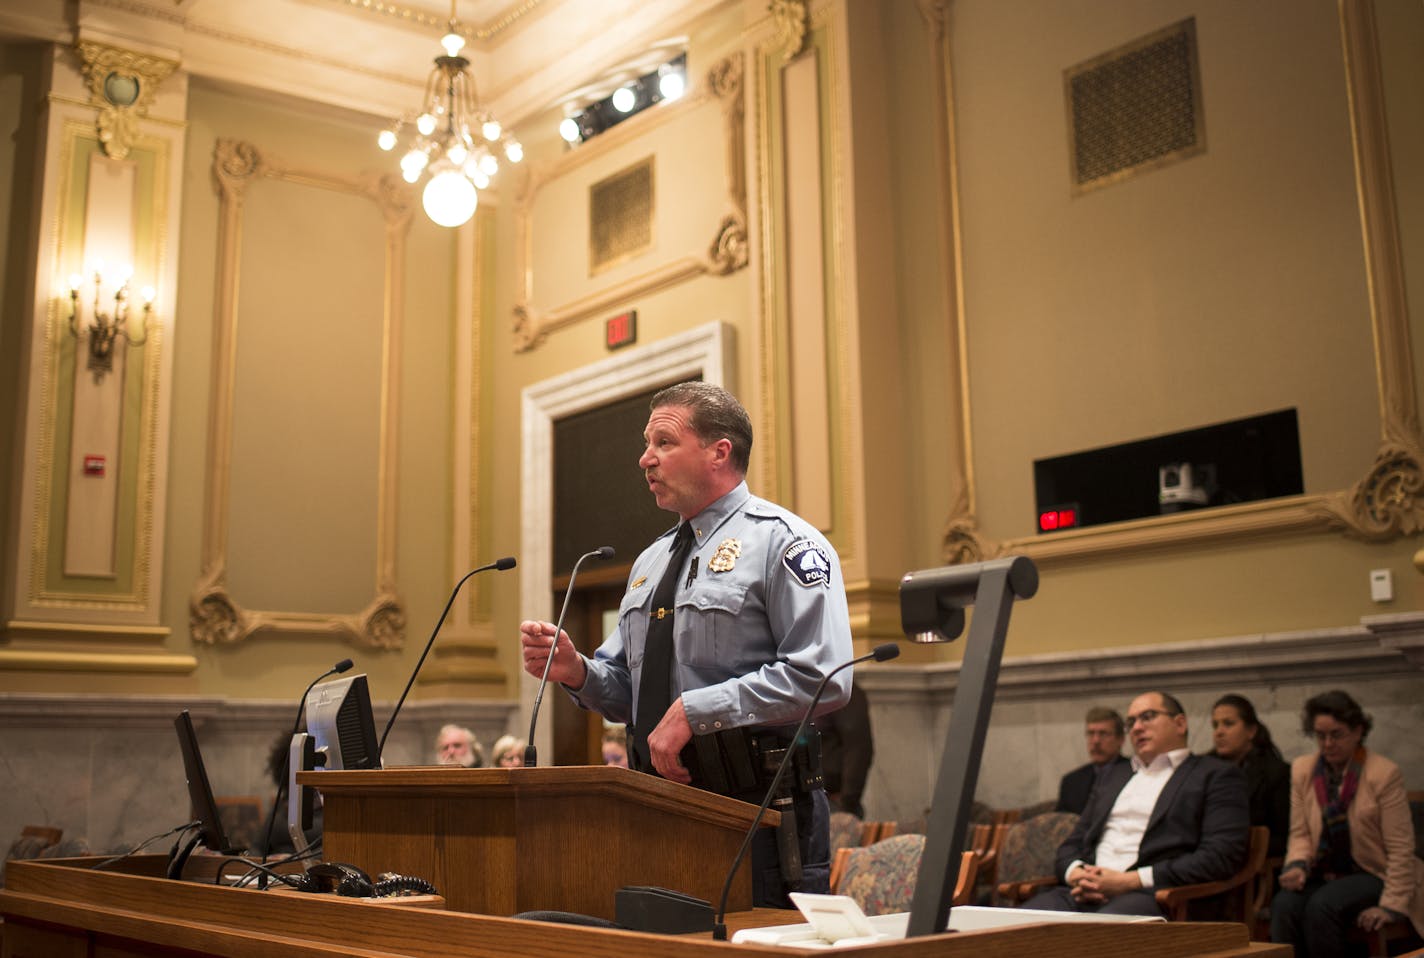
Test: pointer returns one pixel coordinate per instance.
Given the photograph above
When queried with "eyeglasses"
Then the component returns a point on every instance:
(1334, 735)
(1146, 715)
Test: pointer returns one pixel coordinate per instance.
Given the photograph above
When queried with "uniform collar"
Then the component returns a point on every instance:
(708, 520)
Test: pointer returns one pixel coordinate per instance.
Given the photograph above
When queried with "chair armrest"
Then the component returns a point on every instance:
(1019, 892)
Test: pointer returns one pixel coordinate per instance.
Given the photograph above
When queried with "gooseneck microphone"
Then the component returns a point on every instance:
(501, 564)
(339, 667)
(531, 754)
(881, 653)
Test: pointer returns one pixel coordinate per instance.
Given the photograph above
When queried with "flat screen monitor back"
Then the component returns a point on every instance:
(200, 792)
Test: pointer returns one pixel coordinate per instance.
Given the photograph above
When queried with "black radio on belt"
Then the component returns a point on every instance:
(744, 760)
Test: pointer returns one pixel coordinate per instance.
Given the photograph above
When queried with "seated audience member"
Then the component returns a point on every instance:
(615, 746)
(457, 745)
(1169, 818)
(847, 749)
(1239, 737)
(508, 752)
(1350, 860)
(1103, 732)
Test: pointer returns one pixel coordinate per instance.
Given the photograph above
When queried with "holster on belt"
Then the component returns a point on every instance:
(741, 762)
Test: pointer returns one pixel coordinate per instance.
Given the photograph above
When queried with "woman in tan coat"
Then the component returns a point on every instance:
(1350, 859)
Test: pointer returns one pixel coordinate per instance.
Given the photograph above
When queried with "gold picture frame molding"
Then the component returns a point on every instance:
(215, 616)
(1388, 500)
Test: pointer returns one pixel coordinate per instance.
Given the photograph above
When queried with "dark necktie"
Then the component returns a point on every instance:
(655, 682)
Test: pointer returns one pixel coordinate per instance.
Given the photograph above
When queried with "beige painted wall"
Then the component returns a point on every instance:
(304, 312)
(1252, 248)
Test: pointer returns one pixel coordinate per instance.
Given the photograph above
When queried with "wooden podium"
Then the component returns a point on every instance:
(500, 841)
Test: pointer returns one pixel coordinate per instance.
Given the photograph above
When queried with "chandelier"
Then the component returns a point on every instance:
(453, 140)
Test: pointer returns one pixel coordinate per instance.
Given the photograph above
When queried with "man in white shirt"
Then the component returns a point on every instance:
(1170, 818)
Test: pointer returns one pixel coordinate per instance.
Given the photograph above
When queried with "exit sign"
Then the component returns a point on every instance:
(621, 330)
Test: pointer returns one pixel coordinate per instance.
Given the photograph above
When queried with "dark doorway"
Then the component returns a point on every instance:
(600, 498)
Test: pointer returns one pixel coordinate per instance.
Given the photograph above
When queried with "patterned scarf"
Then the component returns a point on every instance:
(1332, 856)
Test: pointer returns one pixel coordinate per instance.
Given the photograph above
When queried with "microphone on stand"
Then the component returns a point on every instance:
(531, 753)
(501, 564)
(339, 667)
(881, 653)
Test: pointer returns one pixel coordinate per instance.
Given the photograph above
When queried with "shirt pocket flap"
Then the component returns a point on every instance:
(712, 597)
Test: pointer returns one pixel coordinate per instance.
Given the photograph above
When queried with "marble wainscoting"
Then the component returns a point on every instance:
(1036, 728)
(107, 768)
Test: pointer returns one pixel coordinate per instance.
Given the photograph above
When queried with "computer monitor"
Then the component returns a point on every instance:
(341, 734)
(200, 795)
(341, 724)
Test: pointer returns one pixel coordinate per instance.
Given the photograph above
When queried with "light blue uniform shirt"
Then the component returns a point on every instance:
(752, 641)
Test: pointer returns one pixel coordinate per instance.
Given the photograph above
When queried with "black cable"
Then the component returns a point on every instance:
(187, 826)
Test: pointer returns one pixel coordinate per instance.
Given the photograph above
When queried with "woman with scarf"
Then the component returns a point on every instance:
(1350, 859)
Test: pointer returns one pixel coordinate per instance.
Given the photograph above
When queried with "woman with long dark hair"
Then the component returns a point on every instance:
(1239, 736)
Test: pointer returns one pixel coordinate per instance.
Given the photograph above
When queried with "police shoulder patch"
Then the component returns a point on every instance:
(808, 562)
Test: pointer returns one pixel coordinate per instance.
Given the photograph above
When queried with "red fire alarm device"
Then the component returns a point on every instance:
(94, 465)
(621, 330)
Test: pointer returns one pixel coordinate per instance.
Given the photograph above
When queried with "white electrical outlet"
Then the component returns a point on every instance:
(1381, 585)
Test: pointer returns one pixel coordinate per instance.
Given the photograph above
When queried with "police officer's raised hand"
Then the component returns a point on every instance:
(666, 742)
(536, 639)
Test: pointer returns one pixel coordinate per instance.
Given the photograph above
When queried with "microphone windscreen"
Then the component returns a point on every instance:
(342, 666)
(506, 563)
(605, 552)
(884, 653)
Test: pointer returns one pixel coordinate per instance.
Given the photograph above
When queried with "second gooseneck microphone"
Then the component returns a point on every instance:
(531, 753)
(501, 564)
(881, 653)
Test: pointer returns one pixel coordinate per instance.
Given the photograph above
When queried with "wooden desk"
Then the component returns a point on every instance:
(60, 908)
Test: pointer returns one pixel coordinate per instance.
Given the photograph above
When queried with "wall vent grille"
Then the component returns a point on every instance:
(1135, 108)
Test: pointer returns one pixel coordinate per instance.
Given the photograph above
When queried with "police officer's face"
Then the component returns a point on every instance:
(676, 463)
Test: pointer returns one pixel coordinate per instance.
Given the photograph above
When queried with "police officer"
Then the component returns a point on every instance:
(757, 615)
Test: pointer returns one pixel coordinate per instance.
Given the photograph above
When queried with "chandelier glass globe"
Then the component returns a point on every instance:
(449, 198)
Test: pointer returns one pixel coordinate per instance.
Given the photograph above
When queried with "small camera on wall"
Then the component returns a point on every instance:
(1184, 485)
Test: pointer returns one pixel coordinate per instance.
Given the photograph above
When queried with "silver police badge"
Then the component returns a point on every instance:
(725, 558)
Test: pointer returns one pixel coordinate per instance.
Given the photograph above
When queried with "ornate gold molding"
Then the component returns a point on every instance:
(214, 616)
(790, 19)
(1388, 501)
(726, 253)
(122, 85)
(57, 591)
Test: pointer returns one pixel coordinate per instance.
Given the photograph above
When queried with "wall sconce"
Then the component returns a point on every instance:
(105, 329)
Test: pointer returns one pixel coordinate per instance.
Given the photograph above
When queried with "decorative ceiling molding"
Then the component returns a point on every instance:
(406, 15)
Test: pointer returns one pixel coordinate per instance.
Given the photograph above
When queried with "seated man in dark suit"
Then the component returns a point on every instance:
(1104, 734)
(1170, 818)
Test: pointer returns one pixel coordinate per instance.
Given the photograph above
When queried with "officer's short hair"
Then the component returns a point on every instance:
(716, 414)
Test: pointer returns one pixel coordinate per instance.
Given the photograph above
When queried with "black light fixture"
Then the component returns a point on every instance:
(667, 82)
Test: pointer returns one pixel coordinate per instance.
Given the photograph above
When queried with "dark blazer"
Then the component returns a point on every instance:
(1268, 788)
(1075, 787)
(1198, 832)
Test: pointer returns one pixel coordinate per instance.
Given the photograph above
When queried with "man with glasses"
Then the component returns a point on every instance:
(1169, 818)
(1103, 730)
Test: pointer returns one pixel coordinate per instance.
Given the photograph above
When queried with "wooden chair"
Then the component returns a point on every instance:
(1232, 894)
(847, 831)
(881, 877)
(986, 841)
(1026, 854)
(46, 833)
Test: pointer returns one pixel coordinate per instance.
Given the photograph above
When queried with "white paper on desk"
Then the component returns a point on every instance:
(832, 918)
